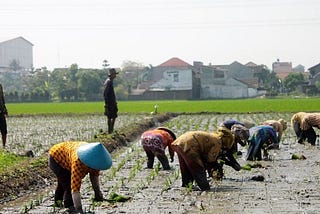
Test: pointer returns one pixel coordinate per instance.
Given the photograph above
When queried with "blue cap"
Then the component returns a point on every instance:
(95, 156)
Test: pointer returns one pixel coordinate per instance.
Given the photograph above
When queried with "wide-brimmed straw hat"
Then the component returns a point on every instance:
(95, 156)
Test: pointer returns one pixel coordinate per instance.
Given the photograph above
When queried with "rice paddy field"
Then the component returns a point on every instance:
(177, 106)
(288, 185)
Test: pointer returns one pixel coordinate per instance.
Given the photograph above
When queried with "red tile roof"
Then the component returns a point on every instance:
(175, 62)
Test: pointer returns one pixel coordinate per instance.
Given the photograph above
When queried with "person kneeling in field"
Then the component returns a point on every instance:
(71, 162)
(303, 124)
(199, 151)
(279, 126)
(154, 143)
(262, 138)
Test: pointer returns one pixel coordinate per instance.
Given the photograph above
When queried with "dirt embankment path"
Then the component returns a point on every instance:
(288, 186)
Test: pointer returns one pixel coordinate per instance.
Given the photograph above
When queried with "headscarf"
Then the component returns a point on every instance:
(240, 131)
(226, 137)
(283, 123)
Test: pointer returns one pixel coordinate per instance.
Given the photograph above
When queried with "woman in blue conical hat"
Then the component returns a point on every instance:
(71, 162)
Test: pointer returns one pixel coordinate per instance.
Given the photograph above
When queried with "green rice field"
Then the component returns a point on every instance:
(180, 106)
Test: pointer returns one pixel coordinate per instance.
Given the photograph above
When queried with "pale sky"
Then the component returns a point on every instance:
(152, 31)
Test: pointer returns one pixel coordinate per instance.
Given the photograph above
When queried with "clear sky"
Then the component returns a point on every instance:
(152, 31)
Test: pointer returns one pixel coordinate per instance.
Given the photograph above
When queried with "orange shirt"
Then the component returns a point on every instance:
(65, 154)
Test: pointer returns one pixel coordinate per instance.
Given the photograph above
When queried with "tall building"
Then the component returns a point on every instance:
(282, 69)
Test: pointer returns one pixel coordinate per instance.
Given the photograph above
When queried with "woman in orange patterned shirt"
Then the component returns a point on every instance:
(71, 162)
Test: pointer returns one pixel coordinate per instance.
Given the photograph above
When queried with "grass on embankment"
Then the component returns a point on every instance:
(9, 159)
(176, 106)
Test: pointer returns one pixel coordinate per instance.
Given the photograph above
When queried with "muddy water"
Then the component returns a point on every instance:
(289, 186)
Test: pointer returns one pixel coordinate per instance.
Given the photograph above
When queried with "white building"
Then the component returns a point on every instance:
(16, 54)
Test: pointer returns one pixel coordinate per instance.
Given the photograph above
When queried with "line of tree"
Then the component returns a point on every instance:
(67, 84)
(78, 84)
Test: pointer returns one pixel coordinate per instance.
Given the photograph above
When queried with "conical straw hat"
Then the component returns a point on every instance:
(95, 156)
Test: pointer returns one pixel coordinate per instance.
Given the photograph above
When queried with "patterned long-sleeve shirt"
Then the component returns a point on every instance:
(201, 146)
(157, 140)
(65, 154)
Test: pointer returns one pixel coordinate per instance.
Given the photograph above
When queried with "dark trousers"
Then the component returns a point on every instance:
(254, 150)
(309, 134)
(63, 190)
(161, 157)
(191, 170)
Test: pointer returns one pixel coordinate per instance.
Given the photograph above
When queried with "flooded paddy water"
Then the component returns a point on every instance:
(288, 186)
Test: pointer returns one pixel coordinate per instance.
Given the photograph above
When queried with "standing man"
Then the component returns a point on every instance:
(3, 115)
(110, 102)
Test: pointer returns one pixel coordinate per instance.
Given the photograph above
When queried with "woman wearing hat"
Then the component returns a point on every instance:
(262, 138)
(198, 151)
(110, 102)
(71, 162)
(155, 142)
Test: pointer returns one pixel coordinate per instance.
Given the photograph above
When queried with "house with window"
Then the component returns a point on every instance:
(227, 81)
(177, 79)
(16, 55)
(169, 80)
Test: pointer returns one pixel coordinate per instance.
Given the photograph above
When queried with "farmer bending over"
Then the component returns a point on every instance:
(198, 151)
(303, 124)
(154, 143)
(279, 126)
(71, 162)
(261, 138)
(240, 131)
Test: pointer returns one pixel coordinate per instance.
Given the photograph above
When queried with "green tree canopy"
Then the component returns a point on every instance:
(293, 80)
